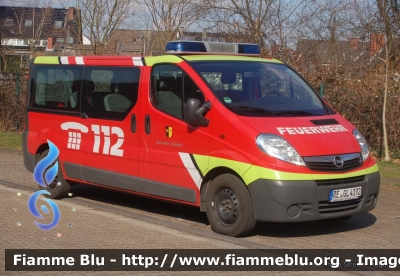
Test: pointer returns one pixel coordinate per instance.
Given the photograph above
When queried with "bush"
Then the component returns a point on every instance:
(12, 103)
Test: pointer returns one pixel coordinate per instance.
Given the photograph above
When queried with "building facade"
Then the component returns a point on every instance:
(30, 31)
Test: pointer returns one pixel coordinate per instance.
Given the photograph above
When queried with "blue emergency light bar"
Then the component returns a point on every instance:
(203, 47)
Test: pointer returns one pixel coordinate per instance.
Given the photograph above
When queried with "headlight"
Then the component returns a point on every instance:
(277, 147)
(363, 144)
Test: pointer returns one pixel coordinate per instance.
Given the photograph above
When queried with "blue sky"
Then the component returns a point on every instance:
(38, 3)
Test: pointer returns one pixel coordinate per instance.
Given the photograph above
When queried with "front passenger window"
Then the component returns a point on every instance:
(166, 89)
(171, 88)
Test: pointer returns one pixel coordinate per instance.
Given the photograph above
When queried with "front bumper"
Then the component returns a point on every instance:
(307, 200)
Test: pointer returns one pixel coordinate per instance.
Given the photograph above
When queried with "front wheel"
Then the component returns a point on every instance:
(59, 187)
(229, 207)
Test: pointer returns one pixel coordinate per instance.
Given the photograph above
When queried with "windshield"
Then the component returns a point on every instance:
(260, 89)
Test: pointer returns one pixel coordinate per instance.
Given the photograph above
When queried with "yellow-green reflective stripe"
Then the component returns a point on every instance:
(150, 61)
(201, 162)
(251, 173)
(257, 172)
(207, 163)
(46, 60)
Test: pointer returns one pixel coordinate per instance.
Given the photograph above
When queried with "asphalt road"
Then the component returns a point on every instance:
(165, 225)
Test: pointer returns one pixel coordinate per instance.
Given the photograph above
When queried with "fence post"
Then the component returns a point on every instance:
(322, 89)
(17, 87)
(17, 90)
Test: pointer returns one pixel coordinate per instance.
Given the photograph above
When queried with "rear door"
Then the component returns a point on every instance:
(51, 104)
(109, 148)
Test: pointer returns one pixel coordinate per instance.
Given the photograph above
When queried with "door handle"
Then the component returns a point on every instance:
(133, 123)
(147, 125)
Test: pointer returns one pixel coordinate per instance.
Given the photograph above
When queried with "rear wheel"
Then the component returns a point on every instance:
(229, 207)
(59, 187)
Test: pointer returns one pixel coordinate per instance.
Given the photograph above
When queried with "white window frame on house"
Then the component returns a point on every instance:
(58, 24)
(14, 42)
(28, 23)
(43, 43)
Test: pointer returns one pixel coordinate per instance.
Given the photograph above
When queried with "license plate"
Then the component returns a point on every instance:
(344, 194)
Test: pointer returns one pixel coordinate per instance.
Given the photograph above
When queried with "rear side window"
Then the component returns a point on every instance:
(106, 92)
(109, 92)
(55, 87)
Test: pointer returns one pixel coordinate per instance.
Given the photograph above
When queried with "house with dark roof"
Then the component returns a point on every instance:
(30, 31)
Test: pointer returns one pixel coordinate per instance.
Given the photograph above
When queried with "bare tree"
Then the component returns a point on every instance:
(100, 18)
(268, 23)
(168, 18)
(389, 12)
(246, 17)
(286, 21)
(331, 29)
(331, 20)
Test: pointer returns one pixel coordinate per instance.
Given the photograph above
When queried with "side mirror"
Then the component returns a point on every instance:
(194, 112)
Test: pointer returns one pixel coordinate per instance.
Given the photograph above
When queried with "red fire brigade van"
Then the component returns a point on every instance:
(208, 124)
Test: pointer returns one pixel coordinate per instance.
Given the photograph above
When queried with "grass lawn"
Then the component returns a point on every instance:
(10, 140)
(390, 169)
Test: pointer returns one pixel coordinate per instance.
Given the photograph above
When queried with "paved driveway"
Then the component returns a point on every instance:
(99, 219)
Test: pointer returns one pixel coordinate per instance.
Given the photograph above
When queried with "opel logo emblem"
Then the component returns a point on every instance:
(338, 162)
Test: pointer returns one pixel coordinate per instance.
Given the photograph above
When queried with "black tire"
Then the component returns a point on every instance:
(229, 207)
(56, 190)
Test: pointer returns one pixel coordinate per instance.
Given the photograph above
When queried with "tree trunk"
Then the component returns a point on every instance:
(385, 139)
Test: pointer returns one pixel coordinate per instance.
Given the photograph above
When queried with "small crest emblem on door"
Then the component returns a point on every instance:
(168, 131)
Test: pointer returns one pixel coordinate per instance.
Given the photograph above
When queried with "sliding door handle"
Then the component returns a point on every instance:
(133, 123)
(147, 124)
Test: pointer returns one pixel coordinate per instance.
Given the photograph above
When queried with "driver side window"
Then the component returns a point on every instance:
(274, 83)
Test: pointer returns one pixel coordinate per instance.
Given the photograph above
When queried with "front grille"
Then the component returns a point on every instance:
(331, 182)
(326, 207)
(334, 163)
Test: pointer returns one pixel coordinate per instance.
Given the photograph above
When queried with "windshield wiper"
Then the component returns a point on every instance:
(289, 113)
(295, 113)
(252, 109)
